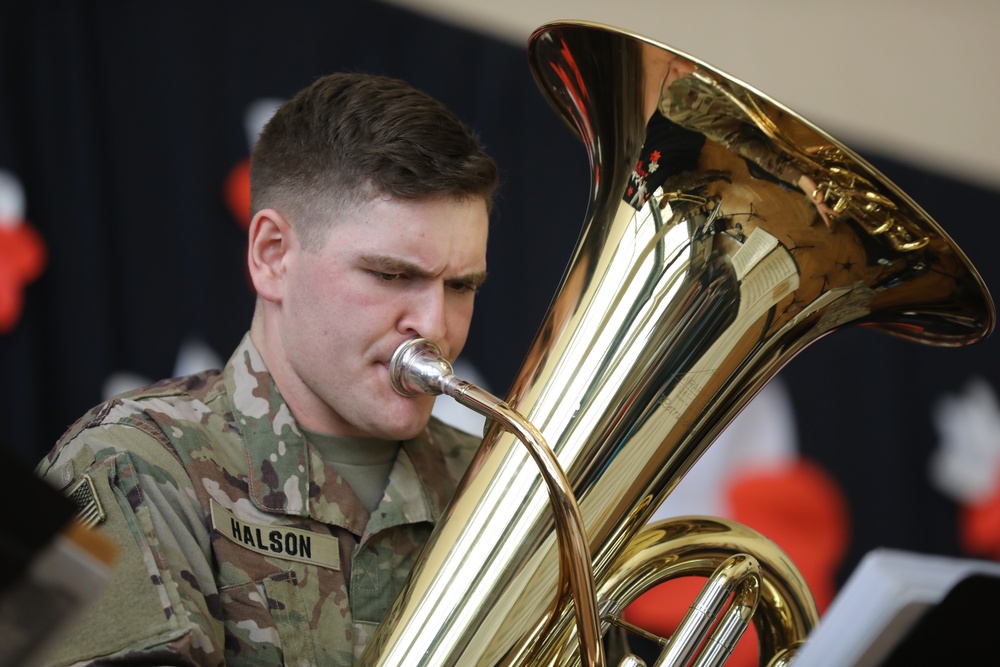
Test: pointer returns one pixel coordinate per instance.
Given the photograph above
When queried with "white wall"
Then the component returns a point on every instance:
(912, 79)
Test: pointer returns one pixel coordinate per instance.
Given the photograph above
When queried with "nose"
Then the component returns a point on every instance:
(425, 315)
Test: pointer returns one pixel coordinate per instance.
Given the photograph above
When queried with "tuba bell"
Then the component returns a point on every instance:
(724, 234)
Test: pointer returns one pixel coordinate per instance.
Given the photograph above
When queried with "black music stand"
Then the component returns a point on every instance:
(902, 608)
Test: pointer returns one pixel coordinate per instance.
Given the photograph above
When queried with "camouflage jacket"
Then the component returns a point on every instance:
(238, 544)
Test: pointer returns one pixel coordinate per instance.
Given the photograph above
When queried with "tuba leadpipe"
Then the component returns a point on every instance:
(417, 367)
(724, 234)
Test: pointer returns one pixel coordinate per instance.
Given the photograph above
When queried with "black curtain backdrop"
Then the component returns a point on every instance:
(123, 119)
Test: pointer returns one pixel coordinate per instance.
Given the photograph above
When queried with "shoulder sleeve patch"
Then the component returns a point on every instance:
(88, 504)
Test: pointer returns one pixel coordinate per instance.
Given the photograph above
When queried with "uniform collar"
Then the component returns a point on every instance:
(287, 475)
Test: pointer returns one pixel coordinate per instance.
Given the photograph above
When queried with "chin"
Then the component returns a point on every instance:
(403, 432)
(408, 423)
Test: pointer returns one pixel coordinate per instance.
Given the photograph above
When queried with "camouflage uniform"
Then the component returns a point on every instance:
(238, 544)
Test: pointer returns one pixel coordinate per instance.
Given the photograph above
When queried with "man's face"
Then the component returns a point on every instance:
(390, 271)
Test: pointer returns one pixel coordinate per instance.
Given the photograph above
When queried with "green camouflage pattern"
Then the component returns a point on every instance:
(250, 591)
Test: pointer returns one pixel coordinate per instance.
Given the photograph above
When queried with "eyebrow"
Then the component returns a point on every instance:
(389, 264)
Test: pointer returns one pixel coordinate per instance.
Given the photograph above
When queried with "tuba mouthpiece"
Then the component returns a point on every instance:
(417, 367)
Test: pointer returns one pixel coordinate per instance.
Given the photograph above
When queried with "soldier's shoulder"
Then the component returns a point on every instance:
(145, 417)
(177, 397)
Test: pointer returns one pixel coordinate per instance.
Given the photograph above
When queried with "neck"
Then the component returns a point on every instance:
(308, 411)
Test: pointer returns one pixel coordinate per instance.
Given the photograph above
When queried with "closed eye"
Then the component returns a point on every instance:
(388, 277)
(464, 286)
(391, 270)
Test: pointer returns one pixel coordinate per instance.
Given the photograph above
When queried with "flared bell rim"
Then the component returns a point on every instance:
(966, 316)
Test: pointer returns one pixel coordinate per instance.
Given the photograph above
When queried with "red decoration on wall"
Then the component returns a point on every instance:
(237, 185)
(979, 526)
(237, 192)
(966, 465)
(22, 260)
(22, 251)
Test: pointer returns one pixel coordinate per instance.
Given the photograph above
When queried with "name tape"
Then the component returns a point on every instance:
(277, 541)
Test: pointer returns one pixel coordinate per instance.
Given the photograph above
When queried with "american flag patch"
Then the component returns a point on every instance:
(84, 495)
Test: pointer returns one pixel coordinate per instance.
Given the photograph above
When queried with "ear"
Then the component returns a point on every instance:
(270, 243)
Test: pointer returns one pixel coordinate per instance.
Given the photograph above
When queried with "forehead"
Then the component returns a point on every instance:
(401, 211)
(427, 229)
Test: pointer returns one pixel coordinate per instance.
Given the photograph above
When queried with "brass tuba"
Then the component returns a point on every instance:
(724, 234)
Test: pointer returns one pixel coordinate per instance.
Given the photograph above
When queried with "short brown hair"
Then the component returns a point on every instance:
(349, 138)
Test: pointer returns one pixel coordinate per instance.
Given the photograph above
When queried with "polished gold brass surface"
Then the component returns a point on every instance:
(417, 366)
(724, 234)
(696, 546)
(736, 583)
